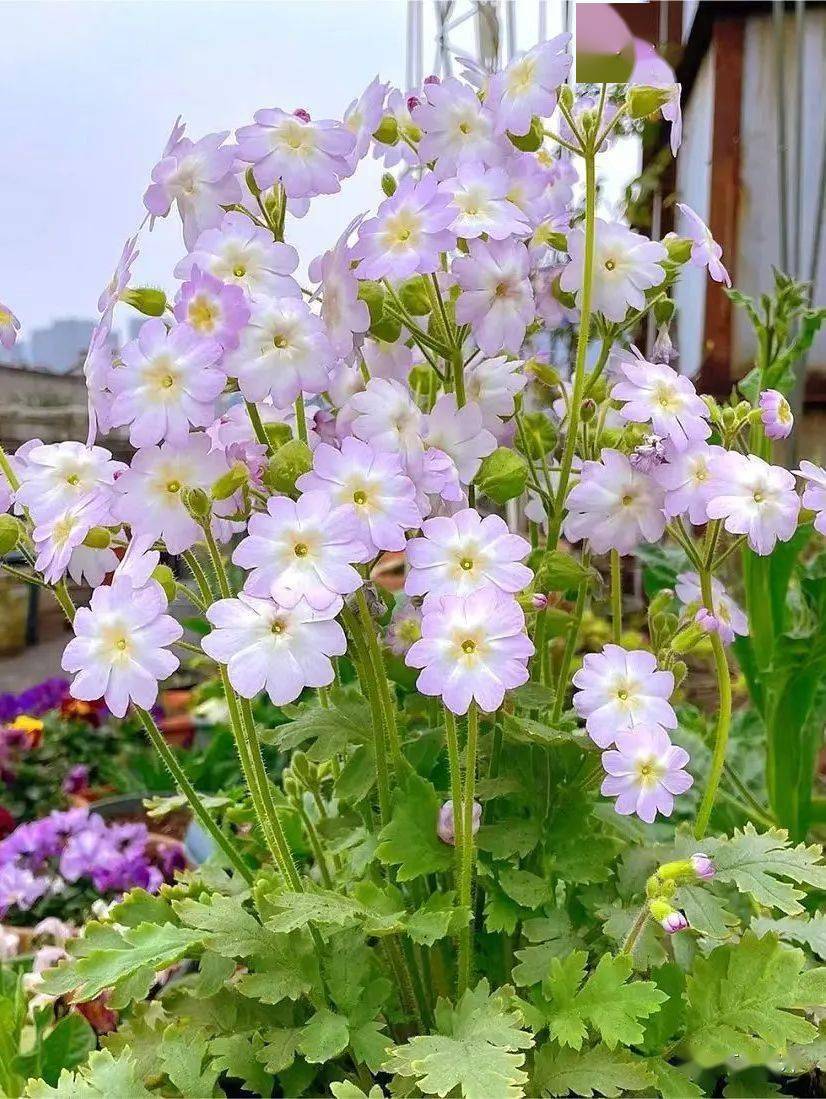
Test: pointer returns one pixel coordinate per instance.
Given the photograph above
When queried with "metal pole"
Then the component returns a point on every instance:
(782, 174)
(799, 25)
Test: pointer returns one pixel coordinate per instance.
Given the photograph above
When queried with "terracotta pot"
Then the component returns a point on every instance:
(178, 729)
(87, 797)
(176, 700)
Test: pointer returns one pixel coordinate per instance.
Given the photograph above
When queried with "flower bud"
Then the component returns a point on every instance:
(388, 184)
(413, 294)
(688, 638)
(675, 921)
(679, 669)
(287, 465)
(412, 102)
(678, 248)
(566, 96)
(532, 140)
(538, 435)
(548, 375)
(502, 475)
(659, 909)
(663, 350)
(388, 131)
(704, 867)
(445, 827)
(539, 601)
(643, 100)
(10, 531)
(197, 503)
(249, 176)
(302, 113)
(166, 578)
(277, 434)
(588, 410)
(229, 482)
(146, 300)
(98, 538)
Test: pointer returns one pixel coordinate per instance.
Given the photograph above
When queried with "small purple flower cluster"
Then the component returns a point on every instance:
(42, 858)
(34, 701)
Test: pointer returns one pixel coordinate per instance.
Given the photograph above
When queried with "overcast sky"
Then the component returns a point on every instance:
(88, 92)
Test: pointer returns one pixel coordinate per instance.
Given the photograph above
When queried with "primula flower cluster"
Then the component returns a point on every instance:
(403, 403)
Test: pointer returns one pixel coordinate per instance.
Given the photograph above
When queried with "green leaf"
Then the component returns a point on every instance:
(183, 1052)
(554, 938)
(319, 906)
(239, 1055)
(102, 1077)
(229, 928)
(753, 1083)
(501, 913)
(358, 775)
(559, 571)
(326, 1035)
(706, 913)
(280, 1047)
(527, 889)
(435, 919)
(607, 1001)
(757, 863)
(138, 906)
(410, 840)
(343, 1089)
(672, 1082)
(507, 838)
(65, 1046)
(589, 1072)
(532, 696)
(475, 1049)
(740, 1000)
(524, 730)
(286, 971)
(331, 729)
(796, 929)
(128, 965)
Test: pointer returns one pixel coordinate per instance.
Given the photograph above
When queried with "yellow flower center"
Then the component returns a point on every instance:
(466, 563)
(202, 314)
(277, 626)
(301, 549)
(758, 497)
(359, 497)
(622, 694)
(73, 479)
(173, 486)
(468, 646)
(280, 341)
(121, 644)
(627, 499)
(167, 382)
(239, 270)
(610, 265)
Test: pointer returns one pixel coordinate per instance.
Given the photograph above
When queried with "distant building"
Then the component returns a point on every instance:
(60, 347)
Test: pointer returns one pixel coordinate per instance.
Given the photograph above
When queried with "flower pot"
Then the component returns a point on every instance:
(176, 700)
(178, 729)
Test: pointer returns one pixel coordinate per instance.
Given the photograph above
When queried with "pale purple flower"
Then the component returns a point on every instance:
(528, 186)
(386, 416)
(212, 308)
(58, 536)
(200, 177)
(387, 360)
(437, 481)
(150, 490)
(405, 626)
(457, 128)
(363, 116)
(472, 647)
(705, 251)
(775, 414)
(271, 648)
(55, 476)
(649, 454)
(239, 253)
(9, 327)
(618, 689)
(655, 394)
(97, 368)
(459, 433)
(674, 922)
(398, 106)
(480, 197)
(548, 306)
(728, 618)
(307, 157)
(342, 311)
(755, 499)
(460, 554)
(91, 566)
(644, 773)
(119, 281)
(446, 827)
(626, 264)
(119, 651)
(614, 506)
(371, 486)
(303, 549)
(652, 71)
(663, 350)
(408, 233)
(689, 482)
(814, 494)
(283, 352)
(493, 385)
(703, 866)
(528, 85)
(585, 106)
(497, 298)
(168, 382)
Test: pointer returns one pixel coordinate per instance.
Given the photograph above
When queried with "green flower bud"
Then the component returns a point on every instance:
(230, 482)
(661, 602)
(249, 176)
(660, 909)
(277, 434)
(548, 375)
(687, 639)
(502, 475)
(166, 578)
(10, 532)
(678, 248)
(532, 140)
(566, 96)
(679, 669)
(146, 300)
(98, 538)
(643, 100)
(588, 411)
(413, 294)
(388, 184)
(287, 465)
(197, 503)
(664, 311)
(388, 131)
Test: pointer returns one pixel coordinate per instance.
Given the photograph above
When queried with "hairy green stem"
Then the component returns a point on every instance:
(570, 643)
(721, 731)
(454, 767)
(376, 662)
(468, 851)
(257, 425)
(637, 928)
(301, 418)
(616, 598)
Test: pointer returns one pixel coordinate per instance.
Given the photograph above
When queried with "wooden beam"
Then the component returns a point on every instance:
(727, 43)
